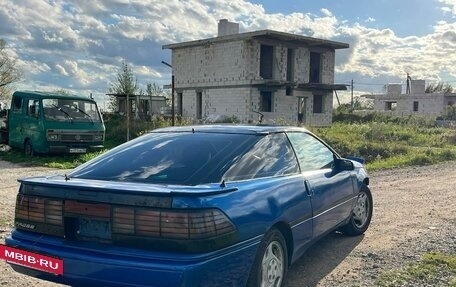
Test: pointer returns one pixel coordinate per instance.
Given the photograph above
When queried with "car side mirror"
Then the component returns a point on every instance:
(343, 164)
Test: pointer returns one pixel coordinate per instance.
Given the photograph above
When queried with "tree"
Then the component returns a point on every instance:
(9, 72)
(439, 88)
(126, 85)
(358, 104)
(152, 89)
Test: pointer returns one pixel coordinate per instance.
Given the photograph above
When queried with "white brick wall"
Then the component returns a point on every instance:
(212, 65)
(242, 102)
(302, 65)
(225, 71)
(284, 108)
(428, 104)
(328, 63)
(228, 102)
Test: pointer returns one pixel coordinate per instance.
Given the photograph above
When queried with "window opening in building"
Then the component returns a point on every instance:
(266, 61)
(180, 108)
(199, 105)
(266, 101)
(290, 66)
(415, 106)
(318, 104)
(289, 91)
(390, 106)
(315, 67)
(290, 71)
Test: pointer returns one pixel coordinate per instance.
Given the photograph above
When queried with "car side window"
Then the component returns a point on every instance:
(17, 105)
(272, 155)
(33, 108)
(312, 154)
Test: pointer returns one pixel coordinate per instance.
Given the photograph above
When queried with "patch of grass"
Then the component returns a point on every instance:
(433, 268)
(413, 157)
(391, 145)
(66, 161)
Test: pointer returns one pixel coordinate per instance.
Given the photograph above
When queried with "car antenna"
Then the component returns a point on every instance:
(66, 177)
(223, 184)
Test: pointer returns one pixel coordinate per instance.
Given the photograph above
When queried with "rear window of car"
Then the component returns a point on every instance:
(192, 158)
(169, 158)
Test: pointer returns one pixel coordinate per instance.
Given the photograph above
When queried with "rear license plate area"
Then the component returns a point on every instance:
(87, 221)
(87, 228)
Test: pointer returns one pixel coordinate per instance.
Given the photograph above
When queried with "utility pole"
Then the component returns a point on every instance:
(352, 103)
(173, 112)
(127, 106)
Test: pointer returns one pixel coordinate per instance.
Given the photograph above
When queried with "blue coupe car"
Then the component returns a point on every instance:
(192, 206)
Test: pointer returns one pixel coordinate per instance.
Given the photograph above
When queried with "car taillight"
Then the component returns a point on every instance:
(197, 230)
(39, 214)
(170, 224)
(174, 230)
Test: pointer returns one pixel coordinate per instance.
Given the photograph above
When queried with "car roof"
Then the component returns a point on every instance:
(50, 95)
(231, 128)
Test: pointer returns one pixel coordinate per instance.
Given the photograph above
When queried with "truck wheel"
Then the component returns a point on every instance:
(28, 148)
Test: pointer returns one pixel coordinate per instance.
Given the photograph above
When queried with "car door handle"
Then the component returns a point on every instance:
(308, 188)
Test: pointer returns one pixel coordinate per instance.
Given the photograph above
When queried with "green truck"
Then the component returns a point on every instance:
(41, 122)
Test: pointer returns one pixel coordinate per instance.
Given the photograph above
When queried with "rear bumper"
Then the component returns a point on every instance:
(92, 264)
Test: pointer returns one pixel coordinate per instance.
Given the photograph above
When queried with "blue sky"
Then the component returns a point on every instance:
(79, 46)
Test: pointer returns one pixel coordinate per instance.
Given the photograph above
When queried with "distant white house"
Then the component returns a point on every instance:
(415, 101)
(281, 75)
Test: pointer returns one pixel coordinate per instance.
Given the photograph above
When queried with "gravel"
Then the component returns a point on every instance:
(414, 213)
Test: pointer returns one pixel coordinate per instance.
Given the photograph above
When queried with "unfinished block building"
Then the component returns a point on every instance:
(283, 76)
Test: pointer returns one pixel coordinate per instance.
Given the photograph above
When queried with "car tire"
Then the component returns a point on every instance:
(28, 148)
(361, 215)
(271, 261)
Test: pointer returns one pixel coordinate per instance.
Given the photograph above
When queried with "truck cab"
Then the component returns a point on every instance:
(40, 122)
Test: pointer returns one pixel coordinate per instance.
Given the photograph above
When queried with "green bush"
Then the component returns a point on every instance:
(449, 114)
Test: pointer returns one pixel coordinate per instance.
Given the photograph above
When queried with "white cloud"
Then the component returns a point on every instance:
(326, 12)
(61, 70)
(377, 53)
(449, 6)
(146, 71)
(34, 67)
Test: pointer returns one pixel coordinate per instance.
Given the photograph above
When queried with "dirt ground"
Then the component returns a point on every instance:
(414, 213)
